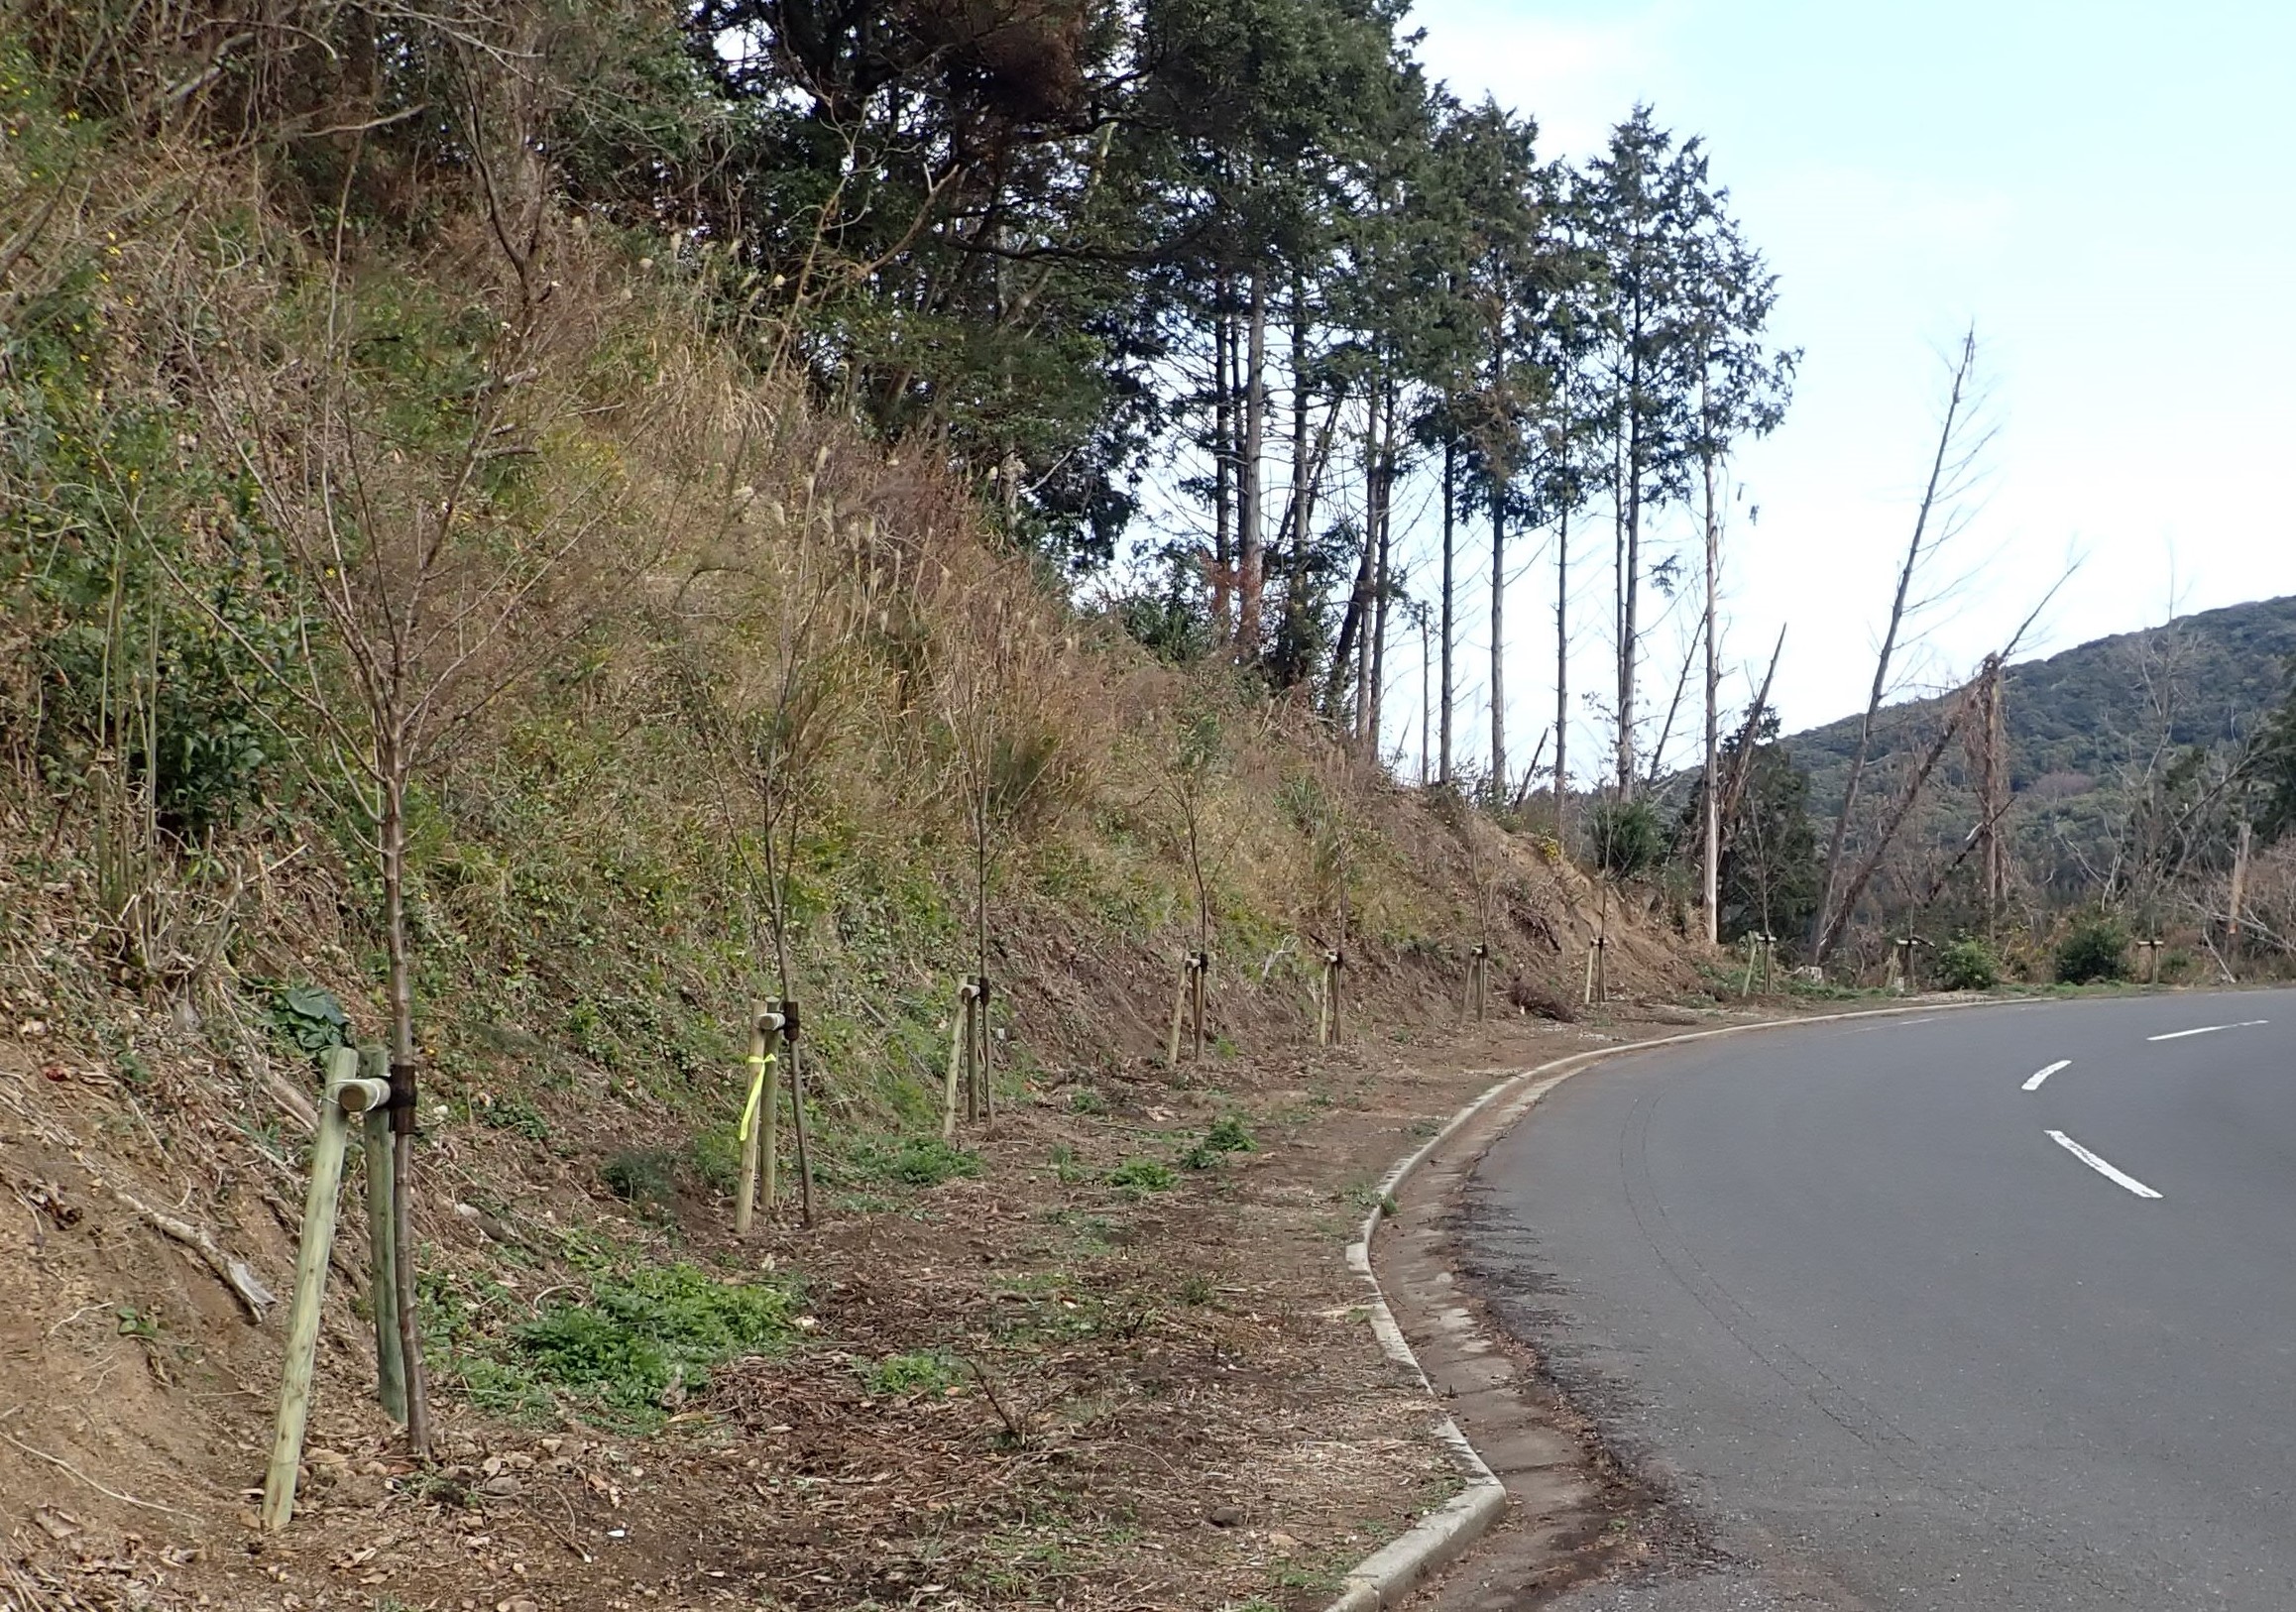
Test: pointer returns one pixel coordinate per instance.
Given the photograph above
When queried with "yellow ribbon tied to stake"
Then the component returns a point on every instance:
(756, 1093)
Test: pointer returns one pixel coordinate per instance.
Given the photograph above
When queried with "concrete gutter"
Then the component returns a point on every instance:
(1387, 1578)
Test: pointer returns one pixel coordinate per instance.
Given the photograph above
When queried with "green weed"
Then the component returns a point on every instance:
(1227, 1135)
(898, 1374)
(1141, 1176)
(914, 1161)
(515, 1113)
(618, 1356)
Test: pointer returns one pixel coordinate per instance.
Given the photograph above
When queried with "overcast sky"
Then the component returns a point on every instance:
(2104, 189)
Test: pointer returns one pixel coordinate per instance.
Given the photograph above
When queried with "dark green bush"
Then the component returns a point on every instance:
(1626, 837)
(1967, 964)
(641, 1174)
(2094, 948)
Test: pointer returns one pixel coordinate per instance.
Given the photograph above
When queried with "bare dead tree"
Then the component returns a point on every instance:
(1944, 511)
(1966, 702)
(1742, 760)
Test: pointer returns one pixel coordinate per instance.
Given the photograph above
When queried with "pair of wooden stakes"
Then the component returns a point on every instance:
(774, 1027)
(358, 1094)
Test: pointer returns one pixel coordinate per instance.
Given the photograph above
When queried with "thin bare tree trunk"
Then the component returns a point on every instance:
(1449, 623)
(1856, 888)
(1383, 590)
(1498, 638)
(1630, 596)
(401, 988)
(1563, 677)
(1823, 922)
(1250, 520)
(1293, 529)
(1742, 764)
(1362, 710)
(1426, 701)
(1345, 652)
(1673, 709)
(1712, 859)
(1223, 464)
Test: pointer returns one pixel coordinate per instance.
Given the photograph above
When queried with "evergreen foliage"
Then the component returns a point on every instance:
(2094, 947)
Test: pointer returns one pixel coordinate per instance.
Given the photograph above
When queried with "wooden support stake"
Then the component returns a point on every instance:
(978, 1016)
(1203, 964)
(1335, 1012)
(960, 1049)
(789, 1029)
(1179, 1010)
(383, 1242)
(752, 1123)
(769, 1117)
(1479, 981)
(312, 1254)
(1597, 976)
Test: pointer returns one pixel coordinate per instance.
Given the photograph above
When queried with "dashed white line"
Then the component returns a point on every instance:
(2116, 1176)
(2035, 1084)
(2208, 1029)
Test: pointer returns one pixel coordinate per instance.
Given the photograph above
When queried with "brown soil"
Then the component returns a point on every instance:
(1162, 1399)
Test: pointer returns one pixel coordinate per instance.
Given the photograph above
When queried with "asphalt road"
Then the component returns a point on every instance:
(1884, 1341)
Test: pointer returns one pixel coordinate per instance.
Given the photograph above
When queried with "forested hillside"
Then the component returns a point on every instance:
(2089, 716)
(2113, 784)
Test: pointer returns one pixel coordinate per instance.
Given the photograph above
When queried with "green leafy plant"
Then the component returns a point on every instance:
(1142, 1176)
(915, 1161)
(311, 1017)
(650, 1329)
(1227, 1135)
(898, 1374)
(1967, 964)
(515, 1113)
(2094, 948)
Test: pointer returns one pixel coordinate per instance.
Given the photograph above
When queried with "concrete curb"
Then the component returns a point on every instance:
(1385, 1577)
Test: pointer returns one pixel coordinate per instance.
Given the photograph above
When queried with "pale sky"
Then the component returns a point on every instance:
(2102, 187)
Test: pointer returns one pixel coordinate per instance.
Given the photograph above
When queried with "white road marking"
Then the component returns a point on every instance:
(2034, 1084)
(2090, 1159)
(2208, 1029)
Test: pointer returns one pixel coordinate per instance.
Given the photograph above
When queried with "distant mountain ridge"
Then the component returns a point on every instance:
(2079, 718)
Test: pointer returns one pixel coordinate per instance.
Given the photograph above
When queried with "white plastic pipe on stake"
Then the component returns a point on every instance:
(347, 1095)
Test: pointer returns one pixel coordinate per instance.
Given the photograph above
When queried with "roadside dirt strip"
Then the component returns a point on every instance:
(1523, 1453)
